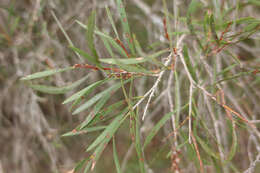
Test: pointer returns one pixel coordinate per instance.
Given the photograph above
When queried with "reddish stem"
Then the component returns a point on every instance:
(122, 45)
(165, 29)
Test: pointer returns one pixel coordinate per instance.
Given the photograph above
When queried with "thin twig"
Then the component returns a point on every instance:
(253, 165)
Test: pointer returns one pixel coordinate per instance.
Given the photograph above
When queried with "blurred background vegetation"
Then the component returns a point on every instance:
(31, 123)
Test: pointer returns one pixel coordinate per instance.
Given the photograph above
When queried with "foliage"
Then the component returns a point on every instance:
(200, 51)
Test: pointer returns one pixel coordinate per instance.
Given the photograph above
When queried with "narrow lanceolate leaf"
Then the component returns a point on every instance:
(138, 147)
(107, 38)
(109, 131)
(123, 61)
(108, 110)
(86, 55)
(134, 60)
(94, 99)
(97, 108)
(108, 47)
(207, 149)
(227, 69)
(118, 48)
(238, 75)
(58, 90)
(193, 7)
(188, 62)
(84, 131)
(84, 91)
(213, 28)
(126, 28)
(45, 73)
(118, 169)
(252, 26)
(90, 35)
(159, 125)
(233, 149)
(138, 47)
(80, 164)
(112, 21)
(206, 23)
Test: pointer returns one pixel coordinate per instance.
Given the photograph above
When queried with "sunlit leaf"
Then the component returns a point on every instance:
(84, 131)
(45, 73)
(109, 131)
(159, 125)
(97, 108)
(84, 91)
(134, 60)
(118, 169)
(90, 35)
(58, 90)
(86, 55)
(100, 95)
(188, 62)
(126, 28)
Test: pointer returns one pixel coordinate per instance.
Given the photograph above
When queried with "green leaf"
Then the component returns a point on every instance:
(58, 90)
(206, 148)
(188, 62)
(134, 60)
(86, 55)
(251, 26)
(112, 21)
(109, 131)
(94, 99)
(84, 131)
(159, 125)
(126, 28)
(108, 47)
(123, 61)
(247, 20)
(138, 147)
(97, 108)
(106, 111)
(191, 27)
(84, 91)
(132, 68)
(80, 164)
(138, 47)
(227, 69)
(116, 46)
(45, 73)
(254, 2)
(108, 38)
(233, 149)
(206, 23)
(238, 75)
(90, 35)
(88, 166)
(118, 169)
(193, 7)
(213, 28)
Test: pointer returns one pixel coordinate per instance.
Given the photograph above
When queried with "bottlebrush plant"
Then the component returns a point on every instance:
(194, 84)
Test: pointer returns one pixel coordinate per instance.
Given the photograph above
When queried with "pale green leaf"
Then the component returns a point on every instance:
(58, 90)
(94, 99)
(45, 73)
